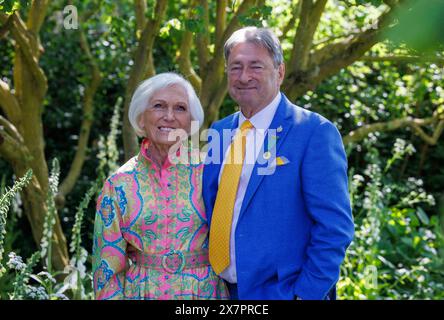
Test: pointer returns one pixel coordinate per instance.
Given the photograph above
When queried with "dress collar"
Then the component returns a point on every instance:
(144, 155)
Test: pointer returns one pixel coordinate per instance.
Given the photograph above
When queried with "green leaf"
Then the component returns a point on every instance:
(422, 216)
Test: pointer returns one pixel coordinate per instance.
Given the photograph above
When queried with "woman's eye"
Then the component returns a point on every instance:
(181, 108)
(157, 106)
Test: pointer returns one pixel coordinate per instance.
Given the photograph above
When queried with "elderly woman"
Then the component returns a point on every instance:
(151, 232)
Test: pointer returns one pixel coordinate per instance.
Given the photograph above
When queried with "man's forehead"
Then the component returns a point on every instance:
(247, 51)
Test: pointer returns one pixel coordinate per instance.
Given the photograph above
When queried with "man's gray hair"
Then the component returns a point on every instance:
(260, 36)
(146, 89)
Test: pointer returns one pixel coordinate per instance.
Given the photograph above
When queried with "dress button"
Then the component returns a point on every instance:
(168, 199)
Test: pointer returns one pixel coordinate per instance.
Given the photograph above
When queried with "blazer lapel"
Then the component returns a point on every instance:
(280, 126)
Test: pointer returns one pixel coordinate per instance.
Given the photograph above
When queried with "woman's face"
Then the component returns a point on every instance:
(167, 117)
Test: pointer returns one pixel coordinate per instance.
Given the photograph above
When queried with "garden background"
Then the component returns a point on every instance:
(67, 73)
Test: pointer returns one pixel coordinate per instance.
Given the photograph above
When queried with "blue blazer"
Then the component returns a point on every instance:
(295, 223)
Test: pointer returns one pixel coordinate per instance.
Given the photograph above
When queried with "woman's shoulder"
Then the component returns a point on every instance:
(124, 171)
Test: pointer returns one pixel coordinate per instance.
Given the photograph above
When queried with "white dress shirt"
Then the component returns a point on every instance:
(255, 139)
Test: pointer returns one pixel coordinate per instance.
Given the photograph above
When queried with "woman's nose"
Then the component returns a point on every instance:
(169, 114)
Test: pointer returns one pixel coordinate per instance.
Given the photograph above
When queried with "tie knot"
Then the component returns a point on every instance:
(246, 126)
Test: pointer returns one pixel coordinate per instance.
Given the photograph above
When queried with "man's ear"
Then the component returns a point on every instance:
(281, 73)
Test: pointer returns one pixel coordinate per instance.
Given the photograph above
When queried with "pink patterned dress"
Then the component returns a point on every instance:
(151, 234)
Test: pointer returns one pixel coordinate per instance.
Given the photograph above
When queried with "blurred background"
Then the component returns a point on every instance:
(67, 73)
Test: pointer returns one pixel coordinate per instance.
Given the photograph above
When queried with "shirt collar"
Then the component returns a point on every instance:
(263, 118)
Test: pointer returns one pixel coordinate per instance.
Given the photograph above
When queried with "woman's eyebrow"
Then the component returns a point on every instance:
(157, 100)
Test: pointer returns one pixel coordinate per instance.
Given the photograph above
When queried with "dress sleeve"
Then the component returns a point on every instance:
(109, 247)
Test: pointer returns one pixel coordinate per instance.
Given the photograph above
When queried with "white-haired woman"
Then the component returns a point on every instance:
(151, 232)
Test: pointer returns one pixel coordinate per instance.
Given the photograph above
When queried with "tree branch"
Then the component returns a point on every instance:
(9, 104)
(11, 130)
(138, 71)
(331, 58)
(234, 24)
(4, 29)
(88, 111)
(185, 66)
(29, 54)
(415, 123)
(309, 18)
(37, 15)
(403, 59)
(11, 143)
(203, 38)
(214, 75)
(431, 140)
(291, 23)
(221, 19)
(140, 9)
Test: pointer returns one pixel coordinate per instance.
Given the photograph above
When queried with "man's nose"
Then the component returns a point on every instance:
(244, 75)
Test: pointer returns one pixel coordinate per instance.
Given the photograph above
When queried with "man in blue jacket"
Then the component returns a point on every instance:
(276, 198)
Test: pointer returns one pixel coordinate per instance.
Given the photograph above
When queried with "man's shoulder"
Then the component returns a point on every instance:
(301, 115)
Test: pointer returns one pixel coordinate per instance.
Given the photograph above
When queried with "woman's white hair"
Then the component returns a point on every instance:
(146, 89)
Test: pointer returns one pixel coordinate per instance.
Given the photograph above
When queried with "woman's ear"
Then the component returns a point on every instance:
(141, 121)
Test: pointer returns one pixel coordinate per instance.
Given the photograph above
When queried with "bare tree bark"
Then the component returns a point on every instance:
(185, 65)
(309, 18)
(22, 142)
(203, 37)
(15, 152)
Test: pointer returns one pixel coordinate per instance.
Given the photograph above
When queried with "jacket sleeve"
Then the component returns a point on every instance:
(325, 191)
(109, 247)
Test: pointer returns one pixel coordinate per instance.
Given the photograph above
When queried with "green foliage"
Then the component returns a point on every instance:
(395, 251)
(425, 34)
(9, 6)
(5, 202)
(23, 274)
(50, 218)
(78, 276)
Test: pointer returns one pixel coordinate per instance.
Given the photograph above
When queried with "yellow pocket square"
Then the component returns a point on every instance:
(281, 161)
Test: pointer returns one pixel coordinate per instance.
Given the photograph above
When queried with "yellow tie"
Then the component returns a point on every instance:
(223, 208)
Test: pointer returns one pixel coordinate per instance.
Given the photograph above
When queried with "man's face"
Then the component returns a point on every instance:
(253, 80)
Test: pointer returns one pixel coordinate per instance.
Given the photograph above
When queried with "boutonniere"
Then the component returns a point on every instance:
(273, 163)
